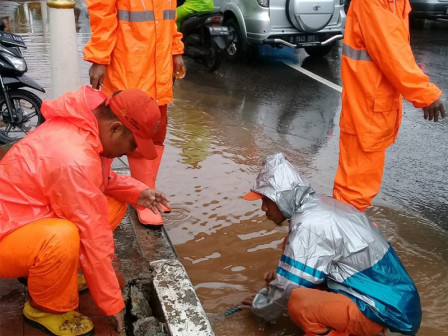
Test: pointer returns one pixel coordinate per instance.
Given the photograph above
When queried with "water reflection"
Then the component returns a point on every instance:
(299, 116)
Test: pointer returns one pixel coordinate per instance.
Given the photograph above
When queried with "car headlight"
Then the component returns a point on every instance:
(263, 3)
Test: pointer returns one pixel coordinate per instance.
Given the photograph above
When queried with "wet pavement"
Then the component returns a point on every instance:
(223, 124)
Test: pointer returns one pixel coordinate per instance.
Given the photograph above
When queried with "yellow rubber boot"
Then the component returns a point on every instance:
(146, 172)
(66, 324)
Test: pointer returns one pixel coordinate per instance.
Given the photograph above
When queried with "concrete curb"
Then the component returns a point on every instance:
(176, 298)
(181, 308)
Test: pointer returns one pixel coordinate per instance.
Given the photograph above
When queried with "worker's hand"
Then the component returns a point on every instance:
(247, 302)
(97, 73)
(432, 111)
(269, 276)
(179, 69)
(152, 199)
(118, 322)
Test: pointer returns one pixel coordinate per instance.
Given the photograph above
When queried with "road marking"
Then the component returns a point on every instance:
(314, 76)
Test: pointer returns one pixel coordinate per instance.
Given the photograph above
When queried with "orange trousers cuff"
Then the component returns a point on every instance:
(317, 311)
(359, 174)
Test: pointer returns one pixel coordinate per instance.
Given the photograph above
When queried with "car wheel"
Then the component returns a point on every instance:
(319, 51)
(416, 23)
(347, 6)
(237, 48)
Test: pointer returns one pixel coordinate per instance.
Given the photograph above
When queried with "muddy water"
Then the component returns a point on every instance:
(226, 244)
(213, 150)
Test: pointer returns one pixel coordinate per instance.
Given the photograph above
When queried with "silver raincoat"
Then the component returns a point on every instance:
(332, 244)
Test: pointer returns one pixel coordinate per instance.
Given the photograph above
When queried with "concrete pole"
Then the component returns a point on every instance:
(44, 13)
(64, 51)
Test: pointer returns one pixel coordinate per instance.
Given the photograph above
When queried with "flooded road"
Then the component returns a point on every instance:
(223, 124)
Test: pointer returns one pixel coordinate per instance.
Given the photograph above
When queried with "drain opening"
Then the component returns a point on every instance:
(143, 310)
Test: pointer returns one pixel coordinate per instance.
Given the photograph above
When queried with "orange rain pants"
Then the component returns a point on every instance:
(47, 252)
(316, 310)
(359, 174)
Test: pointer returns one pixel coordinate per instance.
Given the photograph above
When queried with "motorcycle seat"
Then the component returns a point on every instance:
(194, 20)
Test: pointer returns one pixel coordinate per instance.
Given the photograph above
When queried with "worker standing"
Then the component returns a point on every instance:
(378, 69)
(135, 44)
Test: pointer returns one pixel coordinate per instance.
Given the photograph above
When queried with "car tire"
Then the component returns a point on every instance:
(416, 23)
(319, 51)
(347, 6)
(237, 48)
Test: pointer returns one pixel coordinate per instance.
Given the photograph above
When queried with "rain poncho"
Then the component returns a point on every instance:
(377, 68)
(56, 171)
(332, 244)
(137, 41)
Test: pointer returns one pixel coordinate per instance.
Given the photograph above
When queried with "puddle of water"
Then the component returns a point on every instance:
(226, 245)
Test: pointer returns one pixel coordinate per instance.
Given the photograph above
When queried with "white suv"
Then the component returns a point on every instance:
(312, 24)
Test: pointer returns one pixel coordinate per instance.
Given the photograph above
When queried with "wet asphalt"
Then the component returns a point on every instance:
(302, 114)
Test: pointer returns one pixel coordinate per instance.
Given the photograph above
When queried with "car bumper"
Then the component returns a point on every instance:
(298, 41)
(429, 9)
(259, 30)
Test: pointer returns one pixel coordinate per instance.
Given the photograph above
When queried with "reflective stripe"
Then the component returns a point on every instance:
(295, 278)
(169, 14)
(303, 268)
(143, 16)
(357, 55)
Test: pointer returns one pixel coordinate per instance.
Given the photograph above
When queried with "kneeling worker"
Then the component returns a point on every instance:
(60, 201)
(337, 275)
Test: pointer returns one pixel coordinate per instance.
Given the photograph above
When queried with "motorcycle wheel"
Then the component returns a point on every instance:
(27, 109)
(237, 49)
(213, 62)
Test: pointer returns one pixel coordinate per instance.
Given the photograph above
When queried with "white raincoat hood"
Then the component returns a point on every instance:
(280, 182)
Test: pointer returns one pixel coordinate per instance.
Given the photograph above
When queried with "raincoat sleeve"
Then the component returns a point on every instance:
(75, 195)
(386, 37)
(122, 187)
(103, 24)
(304, 263)
(177, 47)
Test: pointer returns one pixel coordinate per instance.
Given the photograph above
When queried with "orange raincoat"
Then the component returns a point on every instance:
(56, 171)
(136, 40)
(378, 68)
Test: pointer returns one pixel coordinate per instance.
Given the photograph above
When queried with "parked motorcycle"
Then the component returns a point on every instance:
(205, 38)
(19, 108)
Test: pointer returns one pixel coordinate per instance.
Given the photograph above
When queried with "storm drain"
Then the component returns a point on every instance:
(141, 308)
(165, 304)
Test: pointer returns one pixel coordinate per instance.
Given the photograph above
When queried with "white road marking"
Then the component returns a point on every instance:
(314, 76)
